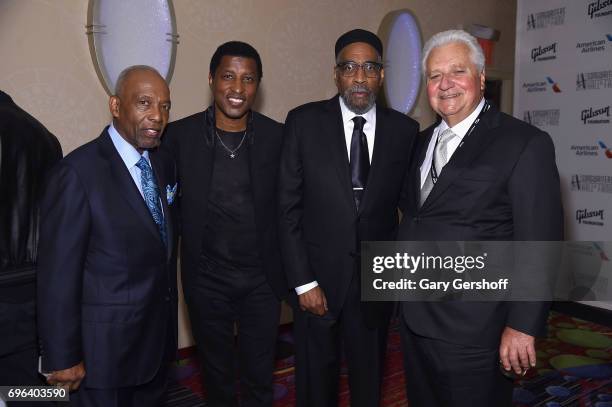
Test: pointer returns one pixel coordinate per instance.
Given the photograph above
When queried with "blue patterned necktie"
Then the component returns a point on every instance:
(151, 195)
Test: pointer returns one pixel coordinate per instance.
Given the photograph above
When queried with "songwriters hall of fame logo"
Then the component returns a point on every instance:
(593, 217)
(592, 183)
(543, 19)
(594, 80)
(542, 118)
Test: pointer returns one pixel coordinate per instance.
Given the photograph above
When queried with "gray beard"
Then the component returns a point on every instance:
(346, 97)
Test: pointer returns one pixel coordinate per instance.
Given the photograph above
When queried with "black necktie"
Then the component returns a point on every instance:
(360, 159)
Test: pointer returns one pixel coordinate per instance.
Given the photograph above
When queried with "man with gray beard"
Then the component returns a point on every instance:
(342, 168)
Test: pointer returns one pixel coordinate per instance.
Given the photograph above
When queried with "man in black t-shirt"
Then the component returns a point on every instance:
(227, 157)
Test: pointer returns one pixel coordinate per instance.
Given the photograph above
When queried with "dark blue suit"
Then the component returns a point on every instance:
(107, 283)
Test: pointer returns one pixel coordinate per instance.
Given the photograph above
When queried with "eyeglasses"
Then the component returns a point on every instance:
(370, 69)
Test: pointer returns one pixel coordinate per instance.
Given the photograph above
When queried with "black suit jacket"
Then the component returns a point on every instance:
(192, 142)
(320, 226)
(106, 281)
(501, 184)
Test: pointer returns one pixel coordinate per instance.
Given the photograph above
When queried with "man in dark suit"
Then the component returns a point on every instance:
(27, 151)
(227, 158)
(342, 166)
(480, 175)
(107, 300)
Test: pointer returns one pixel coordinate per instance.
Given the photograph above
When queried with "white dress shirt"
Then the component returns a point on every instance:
(369, 128)
(129, 155)
(460, 129)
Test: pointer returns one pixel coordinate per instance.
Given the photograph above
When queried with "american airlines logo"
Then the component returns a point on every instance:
(598, 45)
(540, 86)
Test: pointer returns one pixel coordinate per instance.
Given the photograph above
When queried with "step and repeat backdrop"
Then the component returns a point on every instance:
(563, 85)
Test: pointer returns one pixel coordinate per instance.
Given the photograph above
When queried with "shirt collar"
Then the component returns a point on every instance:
(461, 128)
(128, 153)
(348, 115)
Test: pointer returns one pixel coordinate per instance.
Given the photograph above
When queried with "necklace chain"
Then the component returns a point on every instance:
(232, 153)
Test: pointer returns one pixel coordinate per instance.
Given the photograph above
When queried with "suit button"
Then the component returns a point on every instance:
(416, 219)
(167, 298)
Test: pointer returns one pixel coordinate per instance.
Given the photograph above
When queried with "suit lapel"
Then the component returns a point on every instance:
(427, 134)
(471, 146)
(162, 183)
(125, 185)
(203, 156)
(334, 134)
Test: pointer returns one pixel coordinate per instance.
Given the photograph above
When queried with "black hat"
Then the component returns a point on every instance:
(359, 35)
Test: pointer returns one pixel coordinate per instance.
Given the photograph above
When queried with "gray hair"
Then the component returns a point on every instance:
(450, 36)
(127, 71)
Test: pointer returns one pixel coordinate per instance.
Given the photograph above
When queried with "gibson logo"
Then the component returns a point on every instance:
(590, 113)
(538, 54)
(597, 6)
(583, 214)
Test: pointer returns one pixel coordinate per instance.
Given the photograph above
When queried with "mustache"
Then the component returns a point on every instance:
(359, 88)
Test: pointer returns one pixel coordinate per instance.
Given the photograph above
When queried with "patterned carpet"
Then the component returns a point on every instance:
(574, 370)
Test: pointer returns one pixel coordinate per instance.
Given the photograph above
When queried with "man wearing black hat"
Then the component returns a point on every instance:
(342, 166)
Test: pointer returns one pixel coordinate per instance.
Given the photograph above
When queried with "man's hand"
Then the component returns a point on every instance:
(517, 351)
(314, 301)
(70, 378)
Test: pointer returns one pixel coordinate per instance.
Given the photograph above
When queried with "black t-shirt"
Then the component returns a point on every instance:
(230, 237)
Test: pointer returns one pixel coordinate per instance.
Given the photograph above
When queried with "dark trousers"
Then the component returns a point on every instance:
(444, 374)
(318, 355)
(151, 394)
(18, 348)
(217, 300)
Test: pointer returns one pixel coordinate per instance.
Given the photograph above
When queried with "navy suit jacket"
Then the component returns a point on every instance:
(502, 184)
(106, 281)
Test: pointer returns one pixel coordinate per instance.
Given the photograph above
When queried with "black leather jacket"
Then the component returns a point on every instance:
(27, 152)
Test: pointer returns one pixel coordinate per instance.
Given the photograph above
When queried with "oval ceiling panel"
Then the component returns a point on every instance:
(135, 32)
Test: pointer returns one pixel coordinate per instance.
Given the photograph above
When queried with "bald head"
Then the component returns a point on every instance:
(129, 71)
